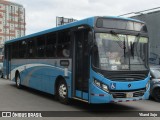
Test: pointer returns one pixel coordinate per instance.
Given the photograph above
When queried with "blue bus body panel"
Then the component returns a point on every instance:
(82, 95)
(40, 75)
(98, 95)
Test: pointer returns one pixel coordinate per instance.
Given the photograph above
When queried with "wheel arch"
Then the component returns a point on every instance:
(16, 74)
(57, 81)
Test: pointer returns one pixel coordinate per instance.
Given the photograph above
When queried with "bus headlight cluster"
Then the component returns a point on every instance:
(101, 85)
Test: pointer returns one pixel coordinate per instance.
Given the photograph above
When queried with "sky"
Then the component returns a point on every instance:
(41, 14)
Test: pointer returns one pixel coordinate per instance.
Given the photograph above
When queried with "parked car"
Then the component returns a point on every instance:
(155, 82)
(1, 69)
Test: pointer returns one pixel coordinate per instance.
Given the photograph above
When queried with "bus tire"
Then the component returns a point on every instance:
(18, 81)
(62, 92)
(156, 94)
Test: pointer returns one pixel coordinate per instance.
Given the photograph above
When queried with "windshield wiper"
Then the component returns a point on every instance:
(137, 42)
(122, 44)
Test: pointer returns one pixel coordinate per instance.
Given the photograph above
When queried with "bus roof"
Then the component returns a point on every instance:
(124, 18)
(87, 21)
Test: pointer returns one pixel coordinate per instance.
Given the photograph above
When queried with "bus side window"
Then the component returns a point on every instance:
(66, 50)
(31, 48)
(23, 49)
(40, 46)
(63, 47)
(51, 44)
(15, 52)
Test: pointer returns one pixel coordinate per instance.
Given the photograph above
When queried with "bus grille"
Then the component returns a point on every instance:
(127, 76)
(123, 94)
(138, 93)
(124, 76)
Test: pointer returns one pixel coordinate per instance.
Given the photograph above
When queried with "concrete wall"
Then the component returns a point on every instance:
(153, 23)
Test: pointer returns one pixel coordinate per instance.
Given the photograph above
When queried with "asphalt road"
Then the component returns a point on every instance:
(13, 99)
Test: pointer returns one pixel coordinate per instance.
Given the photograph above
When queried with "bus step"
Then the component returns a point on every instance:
(80, 99)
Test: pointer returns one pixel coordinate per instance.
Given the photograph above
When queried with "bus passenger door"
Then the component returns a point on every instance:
(81, 65)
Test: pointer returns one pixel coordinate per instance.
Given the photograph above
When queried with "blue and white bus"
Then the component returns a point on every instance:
(95, 60)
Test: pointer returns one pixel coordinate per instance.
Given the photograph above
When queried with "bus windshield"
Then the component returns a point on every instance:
(120, 52)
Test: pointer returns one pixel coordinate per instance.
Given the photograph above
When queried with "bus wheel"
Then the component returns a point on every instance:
(62, 92)
(18, 81)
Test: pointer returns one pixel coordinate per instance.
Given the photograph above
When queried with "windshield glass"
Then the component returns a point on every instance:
(120, 52)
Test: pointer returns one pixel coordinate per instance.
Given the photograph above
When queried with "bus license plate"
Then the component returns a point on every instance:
(129, 95)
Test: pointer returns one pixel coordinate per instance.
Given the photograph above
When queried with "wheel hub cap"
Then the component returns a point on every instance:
(62, 91)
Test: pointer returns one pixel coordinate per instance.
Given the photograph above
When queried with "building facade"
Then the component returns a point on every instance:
(152, 21)
(12, 22)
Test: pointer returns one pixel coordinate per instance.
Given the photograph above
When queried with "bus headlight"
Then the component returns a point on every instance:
(147, 85)
(101, 85)
(97, 83)
(105, 87)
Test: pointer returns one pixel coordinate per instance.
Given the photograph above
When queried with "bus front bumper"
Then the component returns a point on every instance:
(99, 96)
